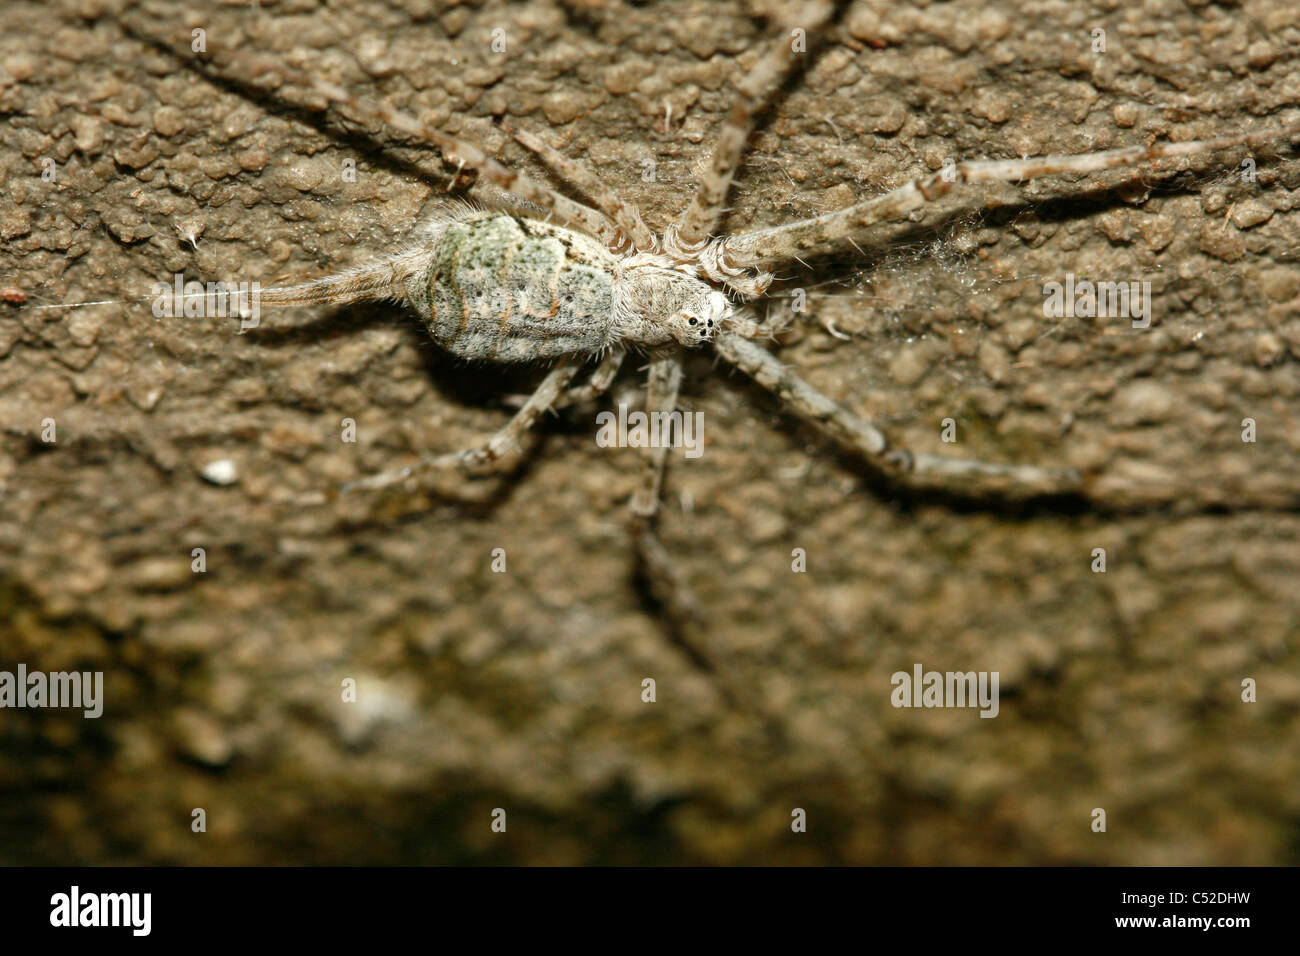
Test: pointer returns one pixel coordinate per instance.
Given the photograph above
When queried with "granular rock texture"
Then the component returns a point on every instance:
(121, 164)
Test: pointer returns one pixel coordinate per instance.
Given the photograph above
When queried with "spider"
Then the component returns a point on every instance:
(594, 281)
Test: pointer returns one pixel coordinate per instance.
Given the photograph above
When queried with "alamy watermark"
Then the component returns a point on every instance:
(923, 688)
(1083, 298)
(74, 689)
(674, 429)
(77, 909)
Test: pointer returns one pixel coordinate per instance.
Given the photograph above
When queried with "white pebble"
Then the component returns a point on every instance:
(220, 472)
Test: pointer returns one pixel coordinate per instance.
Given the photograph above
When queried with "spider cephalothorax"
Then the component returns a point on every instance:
(661, 305)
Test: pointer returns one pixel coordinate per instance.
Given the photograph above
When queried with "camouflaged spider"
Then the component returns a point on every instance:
(596, 281)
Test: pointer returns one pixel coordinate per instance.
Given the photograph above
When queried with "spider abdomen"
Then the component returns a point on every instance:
(506, 289)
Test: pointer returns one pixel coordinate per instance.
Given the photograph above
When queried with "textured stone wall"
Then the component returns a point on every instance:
(522, 690)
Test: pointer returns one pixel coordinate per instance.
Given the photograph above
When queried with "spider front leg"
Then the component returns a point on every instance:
(859, 435)
(625, 215)
(754, 91)
(497, 454)
(821, 234)
(689, 238)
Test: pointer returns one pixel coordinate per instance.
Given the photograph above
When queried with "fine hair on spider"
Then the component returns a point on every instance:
(580, 282)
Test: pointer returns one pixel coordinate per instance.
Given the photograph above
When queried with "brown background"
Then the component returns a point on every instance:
(522, 690)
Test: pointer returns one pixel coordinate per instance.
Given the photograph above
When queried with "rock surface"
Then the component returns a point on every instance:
(522, 690)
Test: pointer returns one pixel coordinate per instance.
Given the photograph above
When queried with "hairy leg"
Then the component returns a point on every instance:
(819, 234)
(696, 224)
(601, 379)
(685, 621)
(662, 390)
(860, 436)
(498, 453)
(665, 581)
(625, 215)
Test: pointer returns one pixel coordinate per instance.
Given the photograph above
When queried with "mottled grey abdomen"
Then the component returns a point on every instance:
(511, 290)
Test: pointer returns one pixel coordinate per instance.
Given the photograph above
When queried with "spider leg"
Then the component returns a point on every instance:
(666, 584)
(685, 616)
(627, 216)
(692, 230)
(458, 150)
(859, 435)
(599, 382)
(497, 454)
(687, 627)
(749, 249)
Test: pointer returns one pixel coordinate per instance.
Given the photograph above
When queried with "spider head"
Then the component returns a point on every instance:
(663, 306)
(699, 319)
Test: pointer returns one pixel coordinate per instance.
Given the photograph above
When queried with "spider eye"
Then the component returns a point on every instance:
(691, 320)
